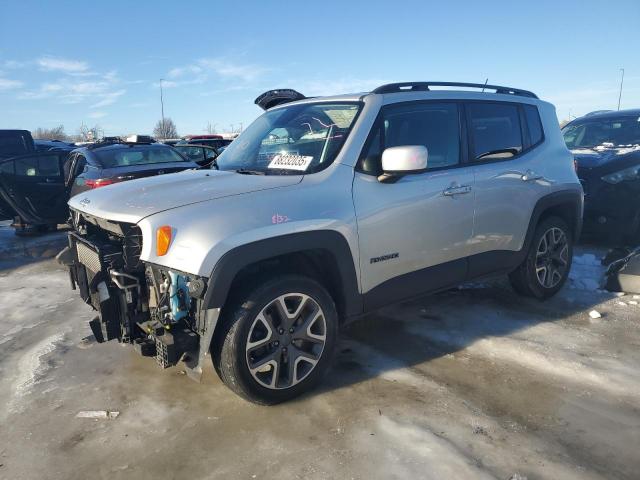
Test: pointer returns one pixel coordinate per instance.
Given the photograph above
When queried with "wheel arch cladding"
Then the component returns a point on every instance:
(323, 254)
(566, 204)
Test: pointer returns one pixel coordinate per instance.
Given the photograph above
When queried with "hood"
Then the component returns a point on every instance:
(134, 200)
(604, 155)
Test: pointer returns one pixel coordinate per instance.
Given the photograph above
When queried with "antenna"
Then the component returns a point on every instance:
(162, 108)
(621, 82)
(485, 83)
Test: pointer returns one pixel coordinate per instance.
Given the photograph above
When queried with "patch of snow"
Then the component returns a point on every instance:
(595, 314)
(30, 367)
(587, 273)
(98, 414)
(445, 460)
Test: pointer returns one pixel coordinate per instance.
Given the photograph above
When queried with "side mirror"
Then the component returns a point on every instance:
(400, 161)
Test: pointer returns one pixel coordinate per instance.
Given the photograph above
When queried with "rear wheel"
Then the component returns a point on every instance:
(547, 265)
(278, 341)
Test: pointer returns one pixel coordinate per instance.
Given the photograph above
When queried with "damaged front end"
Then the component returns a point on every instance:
(157, 310)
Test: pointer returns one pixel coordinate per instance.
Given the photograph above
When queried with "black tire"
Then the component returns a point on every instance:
(525, 278)
(229, 348)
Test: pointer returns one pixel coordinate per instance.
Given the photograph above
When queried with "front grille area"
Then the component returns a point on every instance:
(132, 247)
(89, 258)
(125, 238)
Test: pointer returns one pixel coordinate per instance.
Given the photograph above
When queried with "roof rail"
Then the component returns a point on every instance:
(424, 86)
(597, 112)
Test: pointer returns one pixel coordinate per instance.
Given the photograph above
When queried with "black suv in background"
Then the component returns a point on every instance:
(15, 142)
(12, 143)
(35, 187)
(606, 146)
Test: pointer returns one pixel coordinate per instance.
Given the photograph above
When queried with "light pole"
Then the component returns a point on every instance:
(621, 83)
(162, 108)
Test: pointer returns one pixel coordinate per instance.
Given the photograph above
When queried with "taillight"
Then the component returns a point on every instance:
(100, 182)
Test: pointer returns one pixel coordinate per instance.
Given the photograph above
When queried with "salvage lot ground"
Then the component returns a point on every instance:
(471, 383)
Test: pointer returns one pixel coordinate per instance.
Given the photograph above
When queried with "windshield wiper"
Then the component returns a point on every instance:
(247, 171)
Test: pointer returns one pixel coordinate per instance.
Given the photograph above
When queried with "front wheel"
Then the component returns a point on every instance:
(278, 340)
(547, 265)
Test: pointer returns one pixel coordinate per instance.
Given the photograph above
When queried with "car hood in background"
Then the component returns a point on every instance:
(134, 200)
(599, 156)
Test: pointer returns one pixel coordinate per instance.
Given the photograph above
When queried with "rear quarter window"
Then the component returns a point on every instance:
(534, 124)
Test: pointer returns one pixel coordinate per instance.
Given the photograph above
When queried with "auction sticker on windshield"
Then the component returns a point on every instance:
(291, 162)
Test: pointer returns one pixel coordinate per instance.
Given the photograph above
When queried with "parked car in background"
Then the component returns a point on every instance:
(204, 155)
(15, 142)
(170, 141)
(37, 186)
(323, 210)
(215, 141)
(606, 147)
(44, 145)
(12, 143)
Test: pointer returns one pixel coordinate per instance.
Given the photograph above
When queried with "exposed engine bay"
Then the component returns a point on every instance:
(156, 310)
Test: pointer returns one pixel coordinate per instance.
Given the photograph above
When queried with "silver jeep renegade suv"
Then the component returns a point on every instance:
(322, 210)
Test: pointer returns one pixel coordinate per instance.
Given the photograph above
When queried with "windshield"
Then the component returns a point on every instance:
(291, 140)
(617, 131)
(123, 157)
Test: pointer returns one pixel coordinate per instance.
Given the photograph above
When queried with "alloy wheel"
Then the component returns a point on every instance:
(286, 340)
(552, 257)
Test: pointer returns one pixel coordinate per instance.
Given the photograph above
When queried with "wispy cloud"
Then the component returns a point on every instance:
(7, 84)
(108, 98)
(62, 65)
(225, 68)
(180, 71)
(341, 85)
(97, 114)
(205, 69)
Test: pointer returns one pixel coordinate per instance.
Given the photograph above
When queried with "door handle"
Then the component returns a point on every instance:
(530, 176)
(458, 190)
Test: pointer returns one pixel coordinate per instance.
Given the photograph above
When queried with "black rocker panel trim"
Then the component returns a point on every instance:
(416, 283)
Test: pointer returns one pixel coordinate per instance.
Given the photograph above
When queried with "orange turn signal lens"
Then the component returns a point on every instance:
(163, 240)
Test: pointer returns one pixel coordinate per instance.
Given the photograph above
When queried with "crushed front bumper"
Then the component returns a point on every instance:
(128, 308)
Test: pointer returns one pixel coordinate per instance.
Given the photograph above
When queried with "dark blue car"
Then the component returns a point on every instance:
(606, 146)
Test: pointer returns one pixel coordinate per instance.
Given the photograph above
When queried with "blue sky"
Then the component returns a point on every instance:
(70, 62)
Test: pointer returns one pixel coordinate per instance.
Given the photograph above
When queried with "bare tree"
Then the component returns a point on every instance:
(56, 133)
(88, 134)
(211, 128)
(165, 128)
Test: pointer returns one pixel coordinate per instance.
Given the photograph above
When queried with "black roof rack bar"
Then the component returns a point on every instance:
(424, 86)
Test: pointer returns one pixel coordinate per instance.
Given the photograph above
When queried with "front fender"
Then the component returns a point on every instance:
(244, 255)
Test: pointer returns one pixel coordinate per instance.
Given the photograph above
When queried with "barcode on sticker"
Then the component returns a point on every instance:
(291, 162)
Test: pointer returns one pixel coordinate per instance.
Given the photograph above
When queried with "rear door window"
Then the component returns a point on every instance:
(495, 130)
(37, 166)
